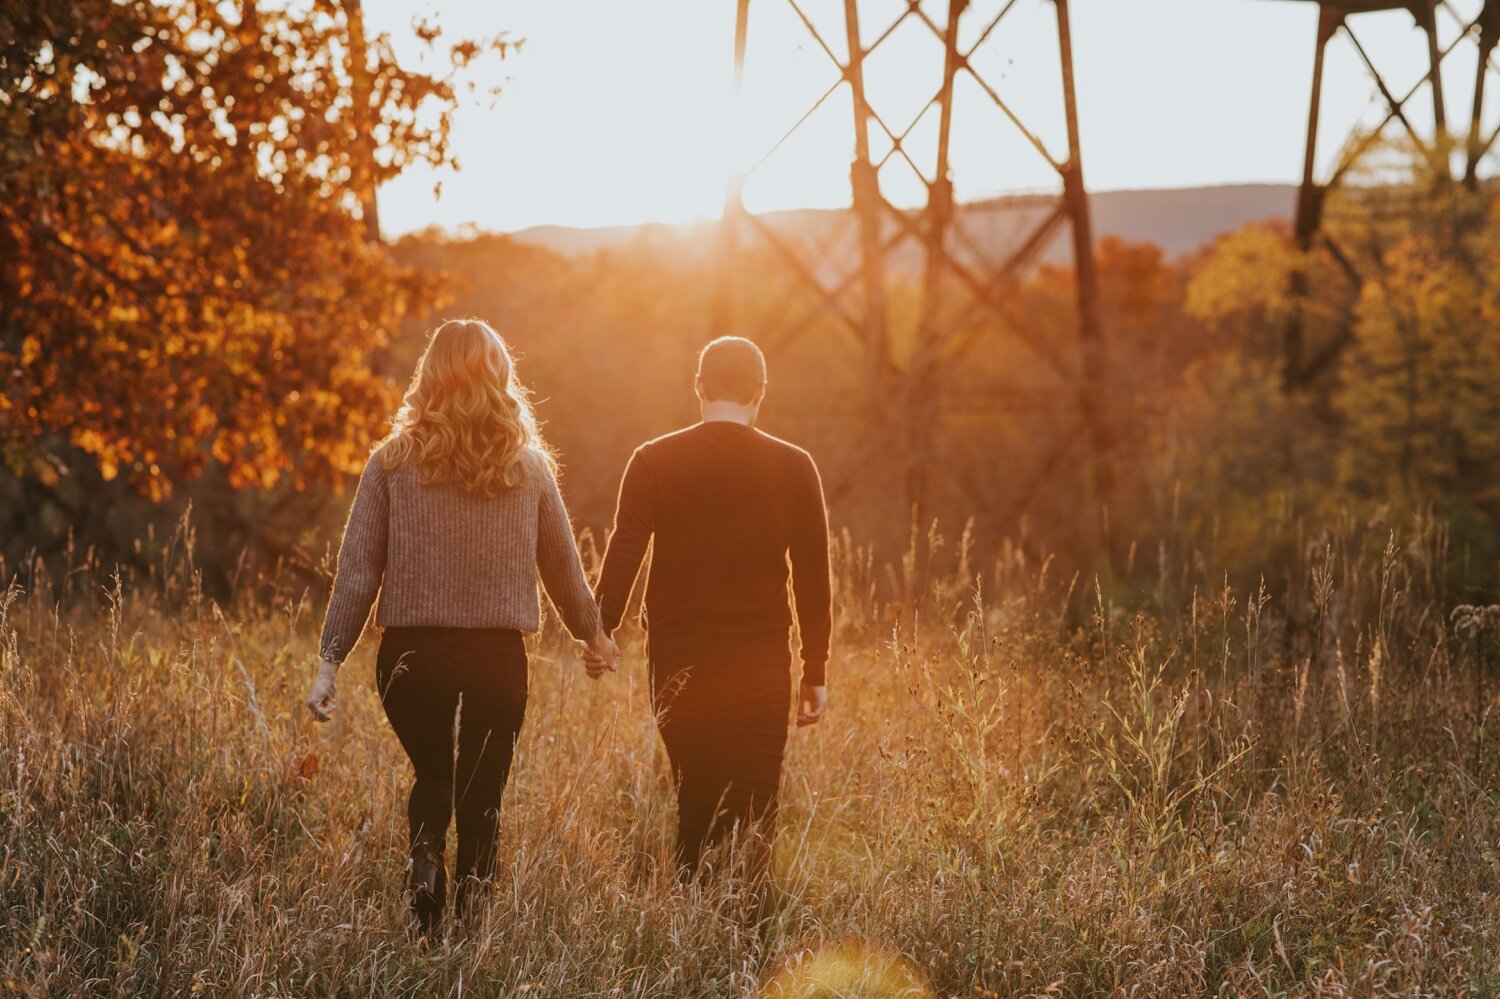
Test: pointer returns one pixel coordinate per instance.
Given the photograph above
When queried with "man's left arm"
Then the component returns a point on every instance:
(812, 593)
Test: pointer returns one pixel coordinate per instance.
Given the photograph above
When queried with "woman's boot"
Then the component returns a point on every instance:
(427, 880)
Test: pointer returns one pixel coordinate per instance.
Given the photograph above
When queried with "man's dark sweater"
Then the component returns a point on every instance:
(726, 505)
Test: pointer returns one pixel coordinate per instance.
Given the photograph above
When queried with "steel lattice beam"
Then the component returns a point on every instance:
(912, 387)
(1309, 231)
(988, 285)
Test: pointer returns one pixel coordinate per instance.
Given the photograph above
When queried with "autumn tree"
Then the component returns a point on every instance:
(1397, 414)
(1418, 393)
(188, 281)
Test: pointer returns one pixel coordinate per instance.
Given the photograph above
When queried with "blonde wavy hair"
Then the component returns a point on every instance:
(466, 419)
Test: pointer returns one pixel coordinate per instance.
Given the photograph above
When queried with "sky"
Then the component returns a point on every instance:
(620, 113)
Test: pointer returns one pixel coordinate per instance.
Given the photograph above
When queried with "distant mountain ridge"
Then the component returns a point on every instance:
(1179, 220)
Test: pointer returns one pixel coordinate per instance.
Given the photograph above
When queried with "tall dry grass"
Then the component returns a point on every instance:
(1026, 786)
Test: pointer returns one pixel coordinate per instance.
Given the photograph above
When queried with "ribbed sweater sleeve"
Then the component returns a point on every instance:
(361, 564)
(810, 584)
(558, 563)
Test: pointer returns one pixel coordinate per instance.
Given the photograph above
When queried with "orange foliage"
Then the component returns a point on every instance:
(186, 276)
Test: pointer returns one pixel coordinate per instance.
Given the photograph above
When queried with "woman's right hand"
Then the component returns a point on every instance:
(600, 655)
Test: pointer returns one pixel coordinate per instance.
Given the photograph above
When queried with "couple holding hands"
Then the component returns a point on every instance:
(456, 517)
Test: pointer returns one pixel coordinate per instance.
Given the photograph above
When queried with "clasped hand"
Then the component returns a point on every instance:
(600, 655)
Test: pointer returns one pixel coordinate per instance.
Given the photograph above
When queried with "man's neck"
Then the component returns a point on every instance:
(729, 412)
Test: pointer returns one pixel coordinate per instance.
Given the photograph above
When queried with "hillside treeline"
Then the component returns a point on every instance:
(1213, 453)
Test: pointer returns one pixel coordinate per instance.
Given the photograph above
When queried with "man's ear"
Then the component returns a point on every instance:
(698, 388)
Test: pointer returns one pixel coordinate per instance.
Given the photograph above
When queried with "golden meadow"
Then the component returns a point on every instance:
(1025, 787)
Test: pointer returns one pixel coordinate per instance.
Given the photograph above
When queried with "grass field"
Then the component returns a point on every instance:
(1180, 789)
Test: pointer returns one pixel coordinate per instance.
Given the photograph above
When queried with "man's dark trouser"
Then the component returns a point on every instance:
(725, 730)
(431, 678)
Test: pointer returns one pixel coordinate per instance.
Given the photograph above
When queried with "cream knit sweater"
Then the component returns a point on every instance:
(438, 555)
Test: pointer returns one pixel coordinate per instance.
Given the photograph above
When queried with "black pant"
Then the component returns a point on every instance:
(431, 682)
(725, 730)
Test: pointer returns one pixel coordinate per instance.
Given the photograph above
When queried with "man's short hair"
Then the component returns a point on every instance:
(731, 369)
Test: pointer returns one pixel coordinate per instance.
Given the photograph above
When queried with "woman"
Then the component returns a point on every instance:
(456, 515)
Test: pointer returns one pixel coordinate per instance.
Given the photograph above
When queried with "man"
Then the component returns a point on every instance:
(724, 508)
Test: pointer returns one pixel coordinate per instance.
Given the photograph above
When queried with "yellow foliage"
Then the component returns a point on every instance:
(1419, 391)
(1246, 270)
